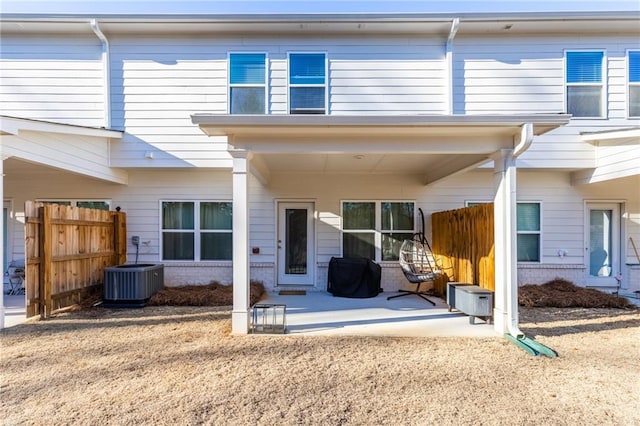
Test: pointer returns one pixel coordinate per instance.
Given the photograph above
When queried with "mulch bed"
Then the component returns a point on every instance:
(560, 293)
(214, 294)
(557, 293)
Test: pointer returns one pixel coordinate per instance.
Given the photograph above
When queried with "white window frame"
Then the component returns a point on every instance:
(326, 79)
(630, 83)
(74, 201)
(197, 231)
(470, 203)
(378, 231)
(602, 84)
(265, 85)
(538, 232)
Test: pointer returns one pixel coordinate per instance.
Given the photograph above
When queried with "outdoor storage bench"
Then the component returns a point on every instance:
(470, 299)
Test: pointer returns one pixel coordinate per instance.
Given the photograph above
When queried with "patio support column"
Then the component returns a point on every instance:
(240, 313)
(506, 272)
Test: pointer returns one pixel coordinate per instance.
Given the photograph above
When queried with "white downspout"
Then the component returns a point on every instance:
(522, 144)
(449, 61)
(526, 137)
(106, 69)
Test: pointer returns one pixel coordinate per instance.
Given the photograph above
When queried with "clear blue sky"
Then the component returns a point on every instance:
(308, 6)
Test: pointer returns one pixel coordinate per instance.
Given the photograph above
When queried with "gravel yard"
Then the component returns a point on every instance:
(179, 365)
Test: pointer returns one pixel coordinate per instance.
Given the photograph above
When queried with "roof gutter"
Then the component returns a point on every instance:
(449, 60)
(324, 17)
(106, 69)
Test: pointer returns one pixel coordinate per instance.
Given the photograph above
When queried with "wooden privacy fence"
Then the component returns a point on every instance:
(67, 249)
(463, 243)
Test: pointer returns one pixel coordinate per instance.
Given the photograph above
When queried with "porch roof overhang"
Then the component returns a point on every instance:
(435, 146)
(616, 136)
(15, 125)
(71, 148)
(617, 157)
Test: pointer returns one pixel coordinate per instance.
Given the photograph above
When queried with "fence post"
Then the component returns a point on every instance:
(119, 238)
(46, 262)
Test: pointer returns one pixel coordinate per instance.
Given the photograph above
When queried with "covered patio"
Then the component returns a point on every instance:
(321, 314)
(432, 146)
(35, 152)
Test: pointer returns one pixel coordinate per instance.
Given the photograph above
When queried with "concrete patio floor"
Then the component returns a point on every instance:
(15, 311)
(319, 313)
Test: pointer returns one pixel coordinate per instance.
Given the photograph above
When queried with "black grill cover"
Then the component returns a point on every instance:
(353, 277)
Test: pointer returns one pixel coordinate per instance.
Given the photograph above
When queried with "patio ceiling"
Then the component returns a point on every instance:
(434, 146)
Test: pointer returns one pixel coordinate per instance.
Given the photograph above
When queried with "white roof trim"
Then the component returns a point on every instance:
(15, 125)
(225, 125)
(324, 17)
(611, 135)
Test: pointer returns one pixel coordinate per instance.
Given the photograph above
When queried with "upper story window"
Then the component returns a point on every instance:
(307, 83)
(585, 87)
(376, 229)
(247, 83)
(634, 83)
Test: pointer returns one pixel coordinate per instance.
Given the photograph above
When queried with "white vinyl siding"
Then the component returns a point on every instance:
(58, 79)
(526, 74)
(392, 75)
(156, 85)
(508, 75)
(82, 154)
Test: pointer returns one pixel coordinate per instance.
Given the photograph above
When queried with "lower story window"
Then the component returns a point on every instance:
(196, 230)
(376, 229)
(528, 227)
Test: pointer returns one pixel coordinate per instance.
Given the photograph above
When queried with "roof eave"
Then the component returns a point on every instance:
(221, 125)
(14, 125)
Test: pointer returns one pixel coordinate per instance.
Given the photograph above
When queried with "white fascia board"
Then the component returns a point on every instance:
(233, 125)
(337, 23)
(612, 135)
(14, 125)
(320, 17)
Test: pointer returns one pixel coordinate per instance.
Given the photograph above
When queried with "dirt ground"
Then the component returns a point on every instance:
(179, 365)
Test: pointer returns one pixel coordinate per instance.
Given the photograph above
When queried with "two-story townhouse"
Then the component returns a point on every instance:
(261, 146)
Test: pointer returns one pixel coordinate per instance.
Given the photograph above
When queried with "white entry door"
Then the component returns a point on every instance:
(603, 244)
(296, 243)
